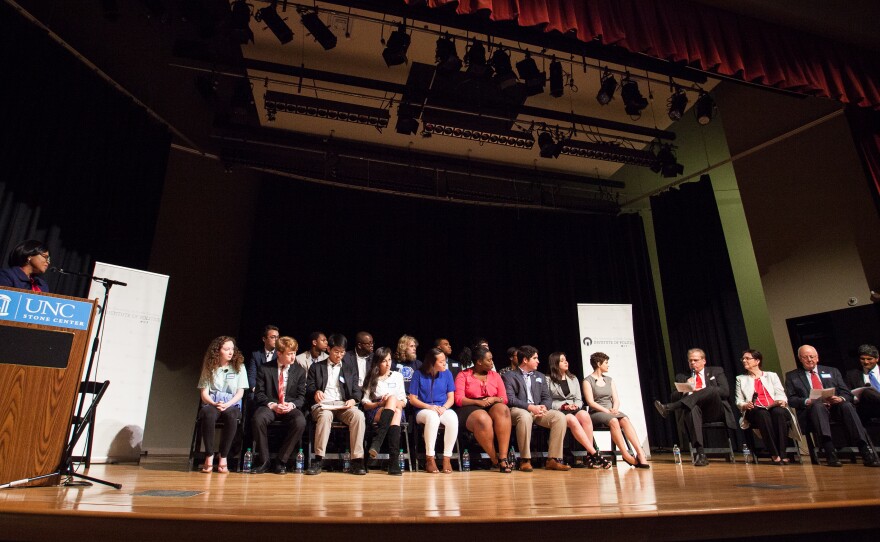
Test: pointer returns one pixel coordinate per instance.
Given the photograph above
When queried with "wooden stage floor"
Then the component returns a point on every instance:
(667, 502)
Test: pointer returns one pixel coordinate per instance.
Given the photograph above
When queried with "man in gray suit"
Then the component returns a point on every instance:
(528, 396)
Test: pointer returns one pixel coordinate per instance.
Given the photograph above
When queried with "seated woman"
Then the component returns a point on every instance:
(762, 400)
(384, 399)
(432, 392)
(482, 402)
(566, 394)
(222, 384)
(27, 261)
(600, 393)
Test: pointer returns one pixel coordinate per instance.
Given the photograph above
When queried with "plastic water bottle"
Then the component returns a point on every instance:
(676, 454)
(511, 457)
(465, 461)
(299, 461)
(747, 455)
(346, 461)
(401, 461)
(247, 462)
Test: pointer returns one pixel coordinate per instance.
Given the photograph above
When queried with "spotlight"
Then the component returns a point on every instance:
(704, 108)
(406, 121)
(319, 30)
(395, 50)
(556, 85)
(475, 58)
(666, 164)
(677, 103)
(549, 147)
(533, 79)
(239, 22)
(633, 101)
(608, 86)
(277, 25)
(504, 75)
(446, 56)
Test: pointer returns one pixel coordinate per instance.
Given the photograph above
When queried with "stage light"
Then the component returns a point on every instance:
(240, 22)
(666, 164)
(557, 87)
(447, 56)
(281, 102)
(677, 103)
(704, 108)
(633, 101)
(608, 86)
(319, 30)
(608, 152)
(549, 147)
(511, 138)
(396, 47)
(528, 71)
(504, 76)
(270, 17)
(475, 59)
(406, 121)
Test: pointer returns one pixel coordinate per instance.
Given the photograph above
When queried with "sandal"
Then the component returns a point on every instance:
(504, 466)
(431, 465)
(206, 469)
(599, 461)
(223, 469)
(447, 465)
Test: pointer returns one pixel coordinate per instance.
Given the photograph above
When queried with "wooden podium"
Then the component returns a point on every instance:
(43, 344)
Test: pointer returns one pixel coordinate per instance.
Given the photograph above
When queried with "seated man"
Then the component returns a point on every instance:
(816, 414)
(280, 395)
(316, 352)
(361, 356)
(868, 377)
(263, 356)
(528, 396)
(708, 401)
(404, 359)
(332, 381)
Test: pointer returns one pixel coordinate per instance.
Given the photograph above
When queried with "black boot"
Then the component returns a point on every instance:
(394, 451)
(381, 430)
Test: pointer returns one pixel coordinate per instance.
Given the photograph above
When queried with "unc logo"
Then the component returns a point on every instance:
(43, 307)
(4, 304)
(588, 341)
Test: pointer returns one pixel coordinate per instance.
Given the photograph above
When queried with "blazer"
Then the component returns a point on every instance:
(517, 396)
(715, 378)
(351, 357)
(855, 378)
(14, 277)
(267, 385)
(574, 393)
(317, 380)
(304, 359)
(255, 361)
(745, 389)
(798, 386)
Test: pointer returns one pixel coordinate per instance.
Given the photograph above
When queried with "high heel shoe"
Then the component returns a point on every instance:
(431, 465)
(600, 461)
(206, 469)
(447, 465)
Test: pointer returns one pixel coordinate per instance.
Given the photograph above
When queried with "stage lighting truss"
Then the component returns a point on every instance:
(510, 138)
(608, 151)
(281, 102)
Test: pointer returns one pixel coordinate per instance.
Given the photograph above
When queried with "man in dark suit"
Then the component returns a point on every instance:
(708, 401)
(263, 355)
(868, 377)
(361, 356)
(815, 414)
(528, 396)
(280, 395)
(335, 383)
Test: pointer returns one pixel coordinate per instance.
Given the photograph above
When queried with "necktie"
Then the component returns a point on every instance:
(874, 382)
(814, 378)
(280, 386)
(698, 382)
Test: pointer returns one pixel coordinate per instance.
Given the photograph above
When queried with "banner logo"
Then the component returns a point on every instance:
(32, 308)
(4, 304)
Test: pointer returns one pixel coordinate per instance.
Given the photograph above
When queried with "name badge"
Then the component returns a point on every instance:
(826, 375)
(231, 376)
(455, 364)
(538, 379)
(711, 378)
(392, 384)
(342, 379)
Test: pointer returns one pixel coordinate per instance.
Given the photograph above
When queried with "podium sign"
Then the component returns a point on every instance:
(43, 344)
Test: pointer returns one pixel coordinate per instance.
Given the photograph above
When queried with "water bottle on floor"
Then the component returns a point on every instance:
(247, 462)
(465, 461)
(401, 460)
(346, 461)
(299, 461)
(676, 454)
(511, 458)
(747, 455)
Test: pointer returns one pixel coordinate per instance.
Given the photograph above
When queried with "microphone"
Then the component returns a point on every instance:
(66, 272)
(86, 275)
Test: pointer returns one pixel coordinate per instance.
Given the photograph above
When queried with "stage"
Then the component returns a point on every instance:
(162, 499)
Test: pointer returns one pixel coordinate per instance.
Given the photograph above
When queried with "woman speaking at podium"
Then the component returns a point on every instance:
(27, 262)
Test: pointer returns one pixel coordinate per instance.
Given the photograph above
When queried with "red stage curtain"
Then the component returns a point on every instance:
(865, 126)
(704, 37)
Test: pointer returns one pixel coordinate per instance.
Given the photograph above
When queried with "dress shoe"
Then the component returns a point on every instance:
(262, 468)
(281, 468)
(525, 465)
(661, 408)
(869, 458)
(357, 466)
(315, 466)
(831, 460)
(700, 460)
(554, 464)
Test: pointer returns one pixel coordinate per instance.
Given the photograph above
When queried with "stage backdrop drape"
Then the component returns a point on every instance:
(865, 127)
(704, 37)
(338, 260)
(82, 166)
(699, 292)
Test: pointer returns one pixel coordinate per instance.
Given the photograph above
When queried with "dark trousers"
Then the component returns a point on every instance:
(208, 417)
(820, 418)
(295, 424)
(773, 425)
(869, 405)
(703, 405)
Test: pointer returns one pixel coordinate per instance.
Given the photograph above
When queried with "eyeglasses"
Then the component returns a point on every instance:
(48, 258)
(365, 343)
(746, 359)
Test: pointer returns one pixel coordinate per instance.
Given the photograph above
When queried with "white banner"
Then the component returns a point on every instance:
(126, 356)
(608, 329)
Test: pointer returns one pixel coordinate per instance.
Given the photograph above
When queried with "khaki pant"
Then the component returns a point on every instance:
(352, 417)
(553, 420)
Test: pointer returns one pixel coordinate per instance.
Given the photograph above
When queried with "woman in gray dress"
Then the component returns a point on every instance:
(600, 393)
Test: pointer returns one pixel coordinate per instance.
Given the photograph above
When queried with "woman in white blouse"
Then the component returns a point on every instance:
(762, 401)
(384, 399)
